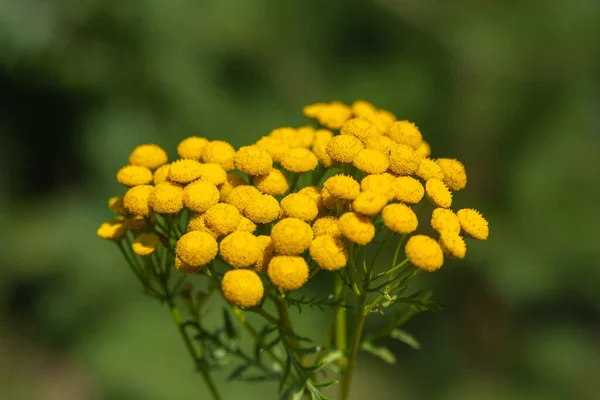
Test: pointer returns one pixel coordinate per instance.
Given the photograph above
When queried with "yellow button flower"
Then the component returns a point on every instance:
(330, 201)
(242, 287)
(408, 190)
(361, 128)
(116, 205)
(319, 147)
(253, 160)
(166, 198)
(424, 150)
(438, 193)
(184, 267)
(213, 173)
(444, 219)
(200, 195)
(313, 110)
(184, 171)
(267, 250)
(288, 272)
(148, 155)
(300, 206)
(328, 252)
(197, 223)
(473, 223)
(453, 244)
(400, 218)
(305, 136)
(232, 180)
(405, 132)
(136, 200)
(327, 226)
(424, 252)
(241, 196)
(371, 161)
(428, 169)
(404, 160)
(386, 118)
(275, 146)
(334, 115)
(219, 152)
(314, 192)
(196, 248)
(357, 228)
(299, 160)
(192, 147)
(240, 249)
(263, 209)
(362, 108)
(369, 203)
(145, 244)
(454, 172)
(286, 134)
(291, 236)
(342, 186)
(344, 148)
(273, 183)
(161, 174)
(133, 175)
(246, 225)
(383, 144)
(222, 218)
(113, 229)
(380, 183)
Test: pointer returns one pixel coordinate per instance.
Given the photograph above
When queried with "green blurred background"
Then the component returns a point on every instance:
(509, 87)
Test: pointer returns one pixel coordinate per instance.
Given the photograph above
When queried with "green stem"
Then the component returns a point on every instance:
(359, 326)
(339, 292)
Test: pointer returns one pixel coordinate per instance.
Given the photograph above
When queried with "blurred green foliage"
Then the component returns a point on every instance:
(509, 87)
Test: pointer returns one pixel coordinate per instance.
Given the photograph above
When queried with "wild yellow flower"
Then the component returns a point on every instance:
(327, 226)
(241, 196)
(267, 250)
(133, 175)
(184, 267)
(328, 252)
(197, 223)
(184, 171)
(407, 189)
(473, 223)
(161, 174)
(273, 183)
(428, 169)
(240, 249)
(263, 209)
(314, 193)
(385, 119)
(291, 236)
(148, 155)
(333, 115)
(424, 150)
(369, 203)
(453, 244)
(299, 160)
(400, 218)
(222, 218)
(361, 128)
(444, 219)
(357, 228)
(246, 225)
(213, 173)
(362, 108)
(371, 161)
(404, 160)
(166, 198)
(300, 206)
(192, 147)
(219, 152)
(232, 180)
(196, 248)
(253, 160)
(344, 148)
(319, 147)
(454, 172)
(305, 136)
(438, 193)
(200, 195)
(113, 229)
(136, 200)
(288, 272)
(405, 132)
(342, 186)
(424, 253)
(383, 144)
(242, 287)
(287, 135)
(116, 205)
(145, 244)
(379, 183)
(275, 146)
(313, 110)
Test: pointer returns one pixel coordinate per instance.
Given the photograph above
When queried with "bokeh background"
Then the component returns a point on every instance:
(509, 87)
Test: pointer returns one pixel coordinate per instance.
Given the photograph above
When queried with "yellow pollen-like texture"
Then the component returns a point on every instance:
(288, 272)
(242, 287)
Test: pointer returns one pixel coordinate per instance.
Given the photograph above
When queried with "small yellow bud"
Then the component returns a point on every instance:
(453, 244)
(429, 169)
(161, 174)
(134, 175)
(200, 195)
(361, 128)
(407, 189)
(136, 200)
(242, 287)
(291, 236)
(438, 193)
(404, 160)
(273, 183)
(371, 161)
(148, 155)
(166, 198)
(288, 272)
(344, 148)
(424, 252)
(454, 172)
(405, 132)
(192, 147)
(219, 152)
(196, 248)
(327, 226)
(299, 160)
(184, 171)
(113, 229)
(145, 244)
(357, 228)
(300, 206)
(253, 160)
(343, 187)
(399, 218)
(369, 203)
(473, 223)
(444, 219)
(240, 249)
(329, 253)
(267, 250)
(222, 218)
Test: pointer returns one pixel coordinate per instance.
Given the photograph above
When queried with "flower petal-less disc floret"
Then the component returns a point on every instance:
(288, 272)
(424, 252)
(242, 287)
(291, 236)
(328, 252)
(240, 249)
(196, 248)
(148, 155)
(357, 228)
(473, 223)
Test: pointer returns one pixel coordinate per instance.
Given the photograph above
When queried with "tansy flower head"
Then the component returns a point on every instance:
(161, 174)
(241, 196)
(473, 223)
(342, 186)
(438, 193)
(344, 148)
(267, 250)
(133, 175)
(273, 183)
(454, 172)
(222, 218)
(246, 225)
(196, 248)
(300, 206)
(232, 180)
(305, 136)
(299, 160)
(399, 218)
(362, 108)
(148, 155)
(184, 267)
(405, 132)
(263, 209)
(288, 272)
(383, 144)
(314, 193)
(312, 110)
(184, 171)
(136, 199)
(380, 183)
(253, 160)
(319, 147)
(334, 115)
(116, 205)
(213, 173)
(361, 128)
(219, 152)
(407, 189)
(453, 244)
(287, 135)
(166, 198)
(327, 226)
(385, 119)
(357, 228)
(197, 223)
(404, 160)
(240, 249)
(192, 147)
(329, 200)
(424, 150)
(113, 229)
(428, 169)
(424, 252)
(275, 146)
(371, 161)
(369, 203)
(200, 195)
(328, 252)
(145, 244)
(242, 287)
(444, 219)
(291, 236)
